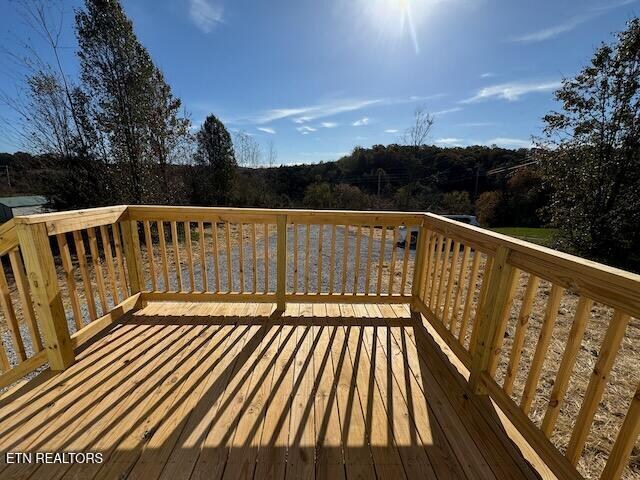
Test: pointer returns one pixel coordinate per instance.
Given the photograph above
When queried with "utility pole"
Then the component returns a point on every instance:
(475, 193)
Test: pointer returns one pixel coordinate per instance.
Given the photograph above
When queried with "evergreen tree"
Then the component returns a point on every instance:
(169, 133)
(217, 163)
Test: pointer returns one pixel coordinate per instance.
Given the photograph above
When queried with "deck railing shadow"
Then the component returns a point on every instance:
(258, 338)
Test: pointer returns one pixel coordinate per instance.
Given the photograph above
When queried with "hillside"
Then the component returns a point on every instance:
(445, 180)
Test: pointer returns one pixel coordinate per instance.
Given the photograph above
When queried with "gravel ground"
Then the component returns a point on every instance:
(314, 233)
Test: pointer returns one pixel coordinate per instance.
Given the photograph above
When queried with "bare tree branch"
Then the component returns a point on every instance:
(417, 134)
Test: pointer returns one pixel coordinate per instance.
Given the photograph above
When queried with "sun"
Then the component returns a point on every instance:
(395, 18)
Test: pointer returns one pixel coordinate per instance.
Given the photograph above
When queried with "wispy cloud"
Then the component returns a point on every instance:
(391, 130)
(512, 91)
(553, 31)
(329, 124)
(360, 122)
(569, 24)
(448, 110)
(450, 142)
(319, 111)
(504, 142)
(266, 130)
(305, 129)
(205, 14)
(315, 112)
(509, 142)
(422, 98)
(477, 124)
(487, 75)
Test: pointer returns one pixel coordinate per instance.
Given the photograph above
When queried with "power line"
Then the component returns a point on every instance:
(515, 167)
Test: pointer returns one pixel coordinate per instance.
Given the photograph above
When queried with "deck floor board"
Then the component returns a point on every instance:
(191, 391)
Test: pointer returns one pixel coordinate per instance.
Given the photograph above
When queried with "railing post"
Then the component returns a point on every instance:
(281, 284)
(490, 317)
(132, 254)
(418, 269)
(45, 291)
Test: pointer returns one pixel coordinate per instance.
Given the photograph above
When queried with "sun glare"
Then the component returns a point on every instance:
(396, 18)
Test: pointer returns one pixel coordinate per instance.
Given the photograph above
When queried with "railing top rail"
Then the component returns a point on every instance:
(608, 285)
(67, 221)
(167, 213)
(8, 236)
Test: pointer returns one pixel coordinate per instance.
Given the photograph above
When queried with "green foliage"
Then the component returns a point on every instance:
(134, 111)
(518, 203)
(216, 164)
(488, 208)
(77, 183)
(322, 195)
(456, 202)
(350, 197)
(318, 195)
(591, 154)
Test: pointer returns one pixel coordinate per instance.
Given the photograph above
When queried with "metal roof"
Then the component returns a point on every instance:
(23, 201)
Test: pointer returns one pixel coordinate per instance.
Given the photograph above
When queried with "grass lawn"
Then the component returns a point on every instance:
(541, 236)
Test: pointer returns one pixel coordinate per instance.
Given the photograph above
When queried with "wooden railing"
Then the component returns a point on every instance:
(69, 292)
(78, 272)
(468, 288)
(201, 254)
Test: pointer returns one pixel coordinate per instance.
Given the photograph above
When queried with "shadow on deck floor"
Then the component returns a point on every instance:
(190, 391)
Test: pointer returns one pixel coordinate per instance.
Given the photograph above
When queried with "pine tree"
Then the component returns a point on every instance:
(169, 132)
(217, 162)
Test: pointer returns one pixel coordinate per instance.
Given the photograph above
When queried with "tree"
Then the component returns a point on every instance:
(456, 203)
(272, 154)
(247, 150)
(488, 208)
(168, 131)
(216, 159)
(590, 154)
(417, 134)
(134, 108)
(49, 106)
(350, 197)
(318, 195)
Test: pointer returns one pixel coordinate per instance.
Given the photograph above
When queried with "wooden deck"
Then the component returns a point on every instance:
(194, 391)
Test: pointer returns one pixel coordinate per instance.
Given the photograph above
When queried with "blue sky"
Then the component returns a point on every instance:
(318, 78)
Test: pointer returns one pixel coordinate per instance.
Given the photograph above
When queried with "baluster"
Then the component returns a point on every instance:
(163, 255)
(189, 249)
(541, 348)
(69, 272)
(461, 281)
(392, 267)
(522, 325)
(108, 256)
(152, 263)
(569, 356)
(599, 379)
(78, 242)
(203, 258)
